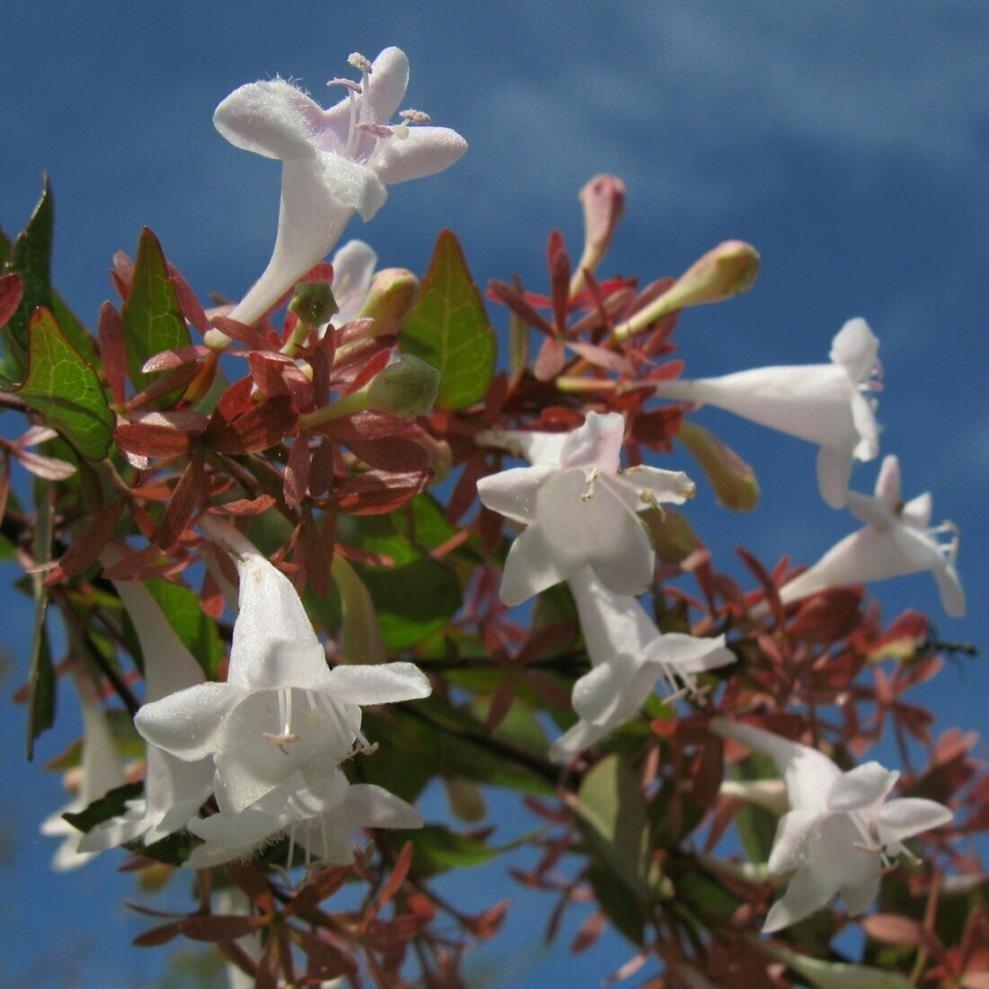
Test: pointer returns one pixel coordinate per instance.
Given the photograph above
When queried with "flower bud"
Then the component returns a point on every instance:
(734, 481)
(392, 295)
(313, 303)
(406, 387)
(671, 534)
(603, 199)
(726, 270)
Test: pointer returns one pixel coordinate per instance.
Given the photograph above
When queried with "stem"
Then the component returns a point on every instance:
(298, 337)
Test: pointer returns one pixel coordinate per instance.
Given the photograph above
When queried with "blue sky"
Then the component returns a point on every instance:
(848, 142)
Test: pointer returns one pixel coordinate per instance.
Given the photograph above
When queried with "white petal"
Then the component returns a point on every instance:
(834, 468)
(540, 449)
(271, 118)
(794, 831)
(810, 401)
(370, 806)
(858, 897)
(871, 511)
(888, 482)
(530, 567)
(612, 624)
(385, 683)
(512, 492)
(117, 831)
(101, 766)
(808, 774)
(866, 428)
(353, 185)
(861, 787)
(168, 664)
(173, 790)
(580, 736)
(900, 819)
(613, 692)
(652, 485)
(690, 653)
(423, 151)
(310, 221)
(597, 443)
(809, 890)
(353, 269)
(917, 511)
(950, 587)
(856, 349)
(271, 620)
(387, 84)
(189, 724)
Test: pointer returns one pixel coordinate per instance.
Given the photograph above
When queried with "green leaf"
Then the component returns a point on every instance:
(152, 316)
(64, 389)
(112, 804)
(449, 328)
(30, 255)
(624, 911)
(835, 975)
(196, 630)
(41, 673)
(437, 849)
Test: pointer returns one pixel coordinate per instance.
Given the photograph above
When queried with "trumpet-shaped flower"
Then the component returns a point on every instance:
(840, 832)
(101, 771)
(334, 162)
(897, 539)
(318, 818)
(628, 656)
(821, 403)
(282, 712)
(579, 509)
(173, 789)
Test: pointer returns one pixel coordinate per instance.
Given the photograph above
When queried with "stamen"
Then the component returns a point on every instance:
(411, 116)
(360, 62)
(379, 130)
(591, 478)
(347, 83)
(291, 847)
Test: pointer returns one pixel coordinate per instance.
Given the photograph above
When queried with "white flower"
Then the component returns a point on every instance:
(282, 712)
(628, 655)
(334, 162)
(101, 771)
(318, 818)
(579, 510)
(840, 832)
(173, 790)
(821, 403)
(897, 539)
(353, 270)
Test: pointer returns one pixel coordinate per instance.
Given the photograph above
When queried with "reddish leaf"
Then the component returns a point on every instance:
(186, 499)
(170, 381)
(160, 434)
(376, 492)
(589, 932)
(167, 360)
(244, 506)
(238, 331)
(11, 292)
(401, 869)
(49, 468)
(87, 548)
(261, 426)
(894, 929)
(113, 351)
(188, 303)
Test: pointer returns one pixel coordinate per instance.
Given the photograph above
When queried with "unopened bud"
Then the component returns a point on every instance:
(392, 295)
(313, 303)
(360, 637)
(603, 199)
(727, 270)
(672, 535)
(406, 387)
(734, 481)
(466, 800)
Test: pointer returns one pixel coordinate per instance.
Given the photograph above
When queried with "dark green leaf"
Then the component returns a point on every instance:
(436, 849)
(112, 804)
(756, 825)
(196, 630)
(624, 911)
(41, 673)
(30, 255)
(152, 317)
(64, 389)
(449, 328)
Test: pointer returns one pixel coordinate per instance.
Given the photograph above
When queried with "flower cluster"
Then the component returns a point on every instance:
(338, 462)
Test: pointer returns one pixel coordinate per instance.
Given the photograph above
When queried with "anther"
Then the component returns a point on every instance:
(414, 116)
(591, 478)
(360, 62)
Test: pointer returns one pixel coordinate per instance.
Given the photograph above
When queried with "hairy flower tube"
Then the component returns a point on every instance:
(840, 833)
(628, 656)
(579, 509)
(822, 403)
(897, 539)
(282, 712)
(173, 789)
(334, 162)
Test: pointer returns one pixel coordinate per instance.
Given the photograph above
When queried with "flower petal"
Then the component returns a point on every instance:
(861, 787)
(690, 653)
(385, 683)
(530, 567)
(794, 831)
(102, 769)
(271, 118)
(576, 739)
(809, 890)
(950, 587)
(513, 492)
(858, 897)
(597, 443)
(653, 485)
(856, 348)
(888, 482)
(900, 819)
(353, 269)
(189, 724)
(387, 84)
(310, 221)
(871, 511)
(353, 185)
(422, 151)
(834, 468)
(917, 511)
(614, 691)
